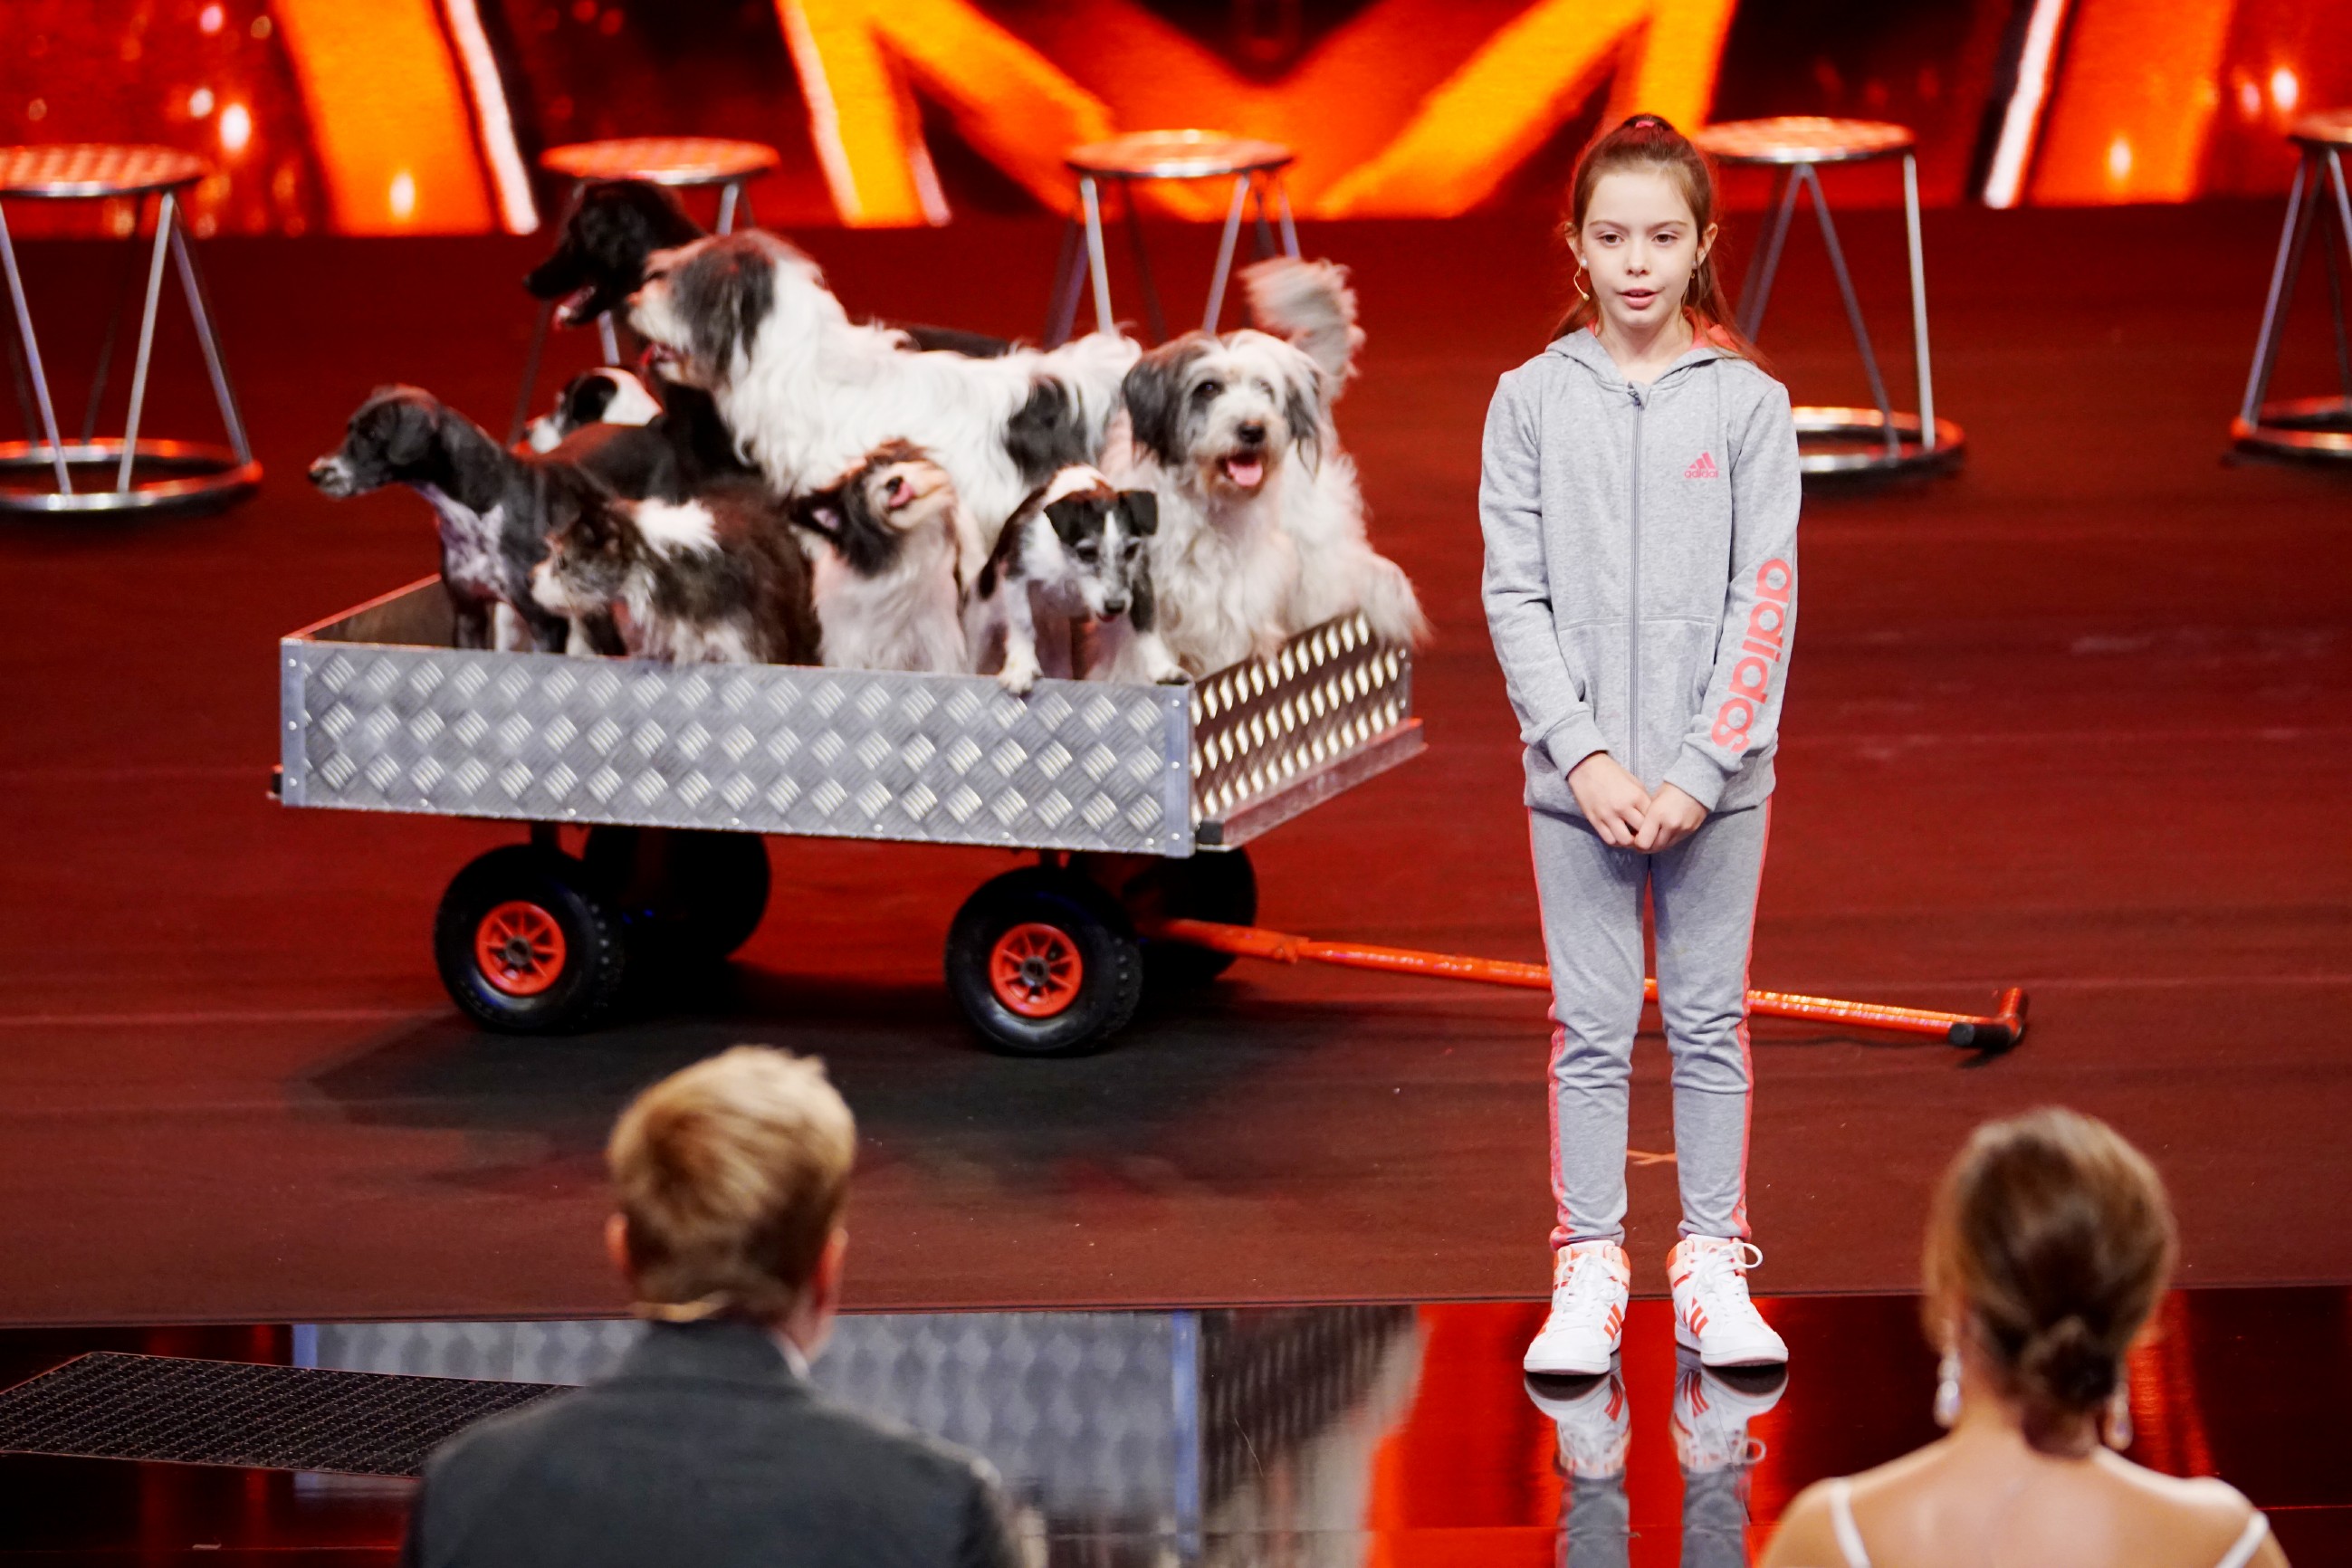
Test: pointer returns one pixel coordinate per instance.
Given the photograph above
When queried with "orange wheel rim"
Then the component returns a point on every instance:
(1034, 969)
(520, 947)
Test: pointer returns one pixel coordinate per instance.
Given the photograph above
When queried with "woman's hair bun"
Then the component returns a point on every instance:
(2068, 1365)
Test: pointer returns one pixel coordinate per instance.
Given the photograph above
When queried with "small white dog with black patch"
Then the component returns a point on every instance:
(1261, 523)
(1067, 590)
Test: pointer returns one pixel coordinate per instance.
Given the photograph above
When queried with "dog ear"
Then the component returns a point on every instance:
(1071, 514)
(1154, 393)
(820, 514)
(411, 428)
(1303, 409)
(725, 292)
(1142, 512)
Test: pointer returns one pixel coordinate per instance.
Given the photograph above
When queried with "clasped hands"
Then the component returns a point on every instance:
(1626, 815)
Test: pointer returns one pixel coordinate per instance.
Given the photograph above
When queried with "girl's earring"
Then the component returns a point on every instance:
(1948, 1389)
(1579, 282)
(2116, 1429)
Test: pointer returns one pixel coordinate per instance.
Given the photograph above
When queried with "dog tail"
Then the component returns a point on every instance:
(1309, 303)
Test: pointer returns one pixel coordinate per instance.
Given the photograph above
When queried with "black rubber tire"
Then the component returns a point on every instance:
(686, 895)
(1220, 885)
(1110, 983)
(596, 956)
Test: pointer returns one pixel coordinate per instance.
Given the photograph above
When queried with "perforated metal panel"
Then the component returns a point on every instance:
(380, 714)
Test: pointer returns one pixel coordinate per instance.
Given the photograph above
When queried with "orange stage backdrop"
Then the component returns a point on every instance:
(424, 116)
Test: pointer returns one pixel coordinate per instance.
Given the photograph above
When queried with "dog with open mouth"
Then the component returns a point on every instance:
(1067, 590)
(715, 579)
(893, 547)
(1261, 531)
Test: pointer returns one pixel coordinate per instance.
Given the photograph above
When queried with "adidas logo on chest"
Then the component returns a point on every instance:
(1703, 468)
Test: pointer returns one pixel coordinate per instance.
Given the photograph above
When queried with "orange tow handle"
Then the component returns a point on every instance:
(1996, 1031)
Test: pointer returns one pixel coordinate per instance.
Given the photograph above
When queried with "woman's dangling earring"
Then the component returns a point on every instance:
(2116, 1429)
(1948, 1389)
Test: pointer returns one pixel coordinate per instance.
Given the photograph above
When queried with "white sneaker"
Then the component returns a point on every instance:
(1595, 1422)
(1590, 1284)
(1711, 1415)
(1712, 1312)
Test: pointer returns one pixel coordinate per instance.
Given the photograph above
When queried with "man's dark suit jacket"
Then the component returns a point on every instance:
(705, 1451)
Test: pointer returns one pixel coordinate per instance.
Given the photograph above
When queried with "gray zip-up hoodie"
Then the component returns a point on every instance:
(1641, 578)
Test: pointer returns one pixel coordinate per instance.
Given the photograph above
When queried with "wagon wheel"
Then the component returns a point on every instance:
(685, 895)
(1043, 962)
(526, 945)
(1210, 885)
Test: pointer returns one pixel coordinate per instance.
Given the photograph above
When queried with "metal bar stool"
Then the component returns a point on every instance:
(1840, 440)
(680, 163)
(2318, 428)
(196, 475)
(1256, 169)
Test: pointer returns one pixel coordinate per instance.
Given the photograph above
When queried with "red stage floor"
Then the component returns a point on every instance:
(2076, 719)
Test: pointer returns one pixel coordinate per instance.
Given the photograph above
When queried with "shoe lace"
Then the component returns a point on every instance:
(1717, 1275)
(1584, 1297)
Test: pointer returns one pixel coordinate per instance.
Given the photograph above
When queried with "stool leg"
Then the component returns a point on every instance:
(33, 356)
(607, 340)
(192, 284)
(1918, 303)
(1225, 256)
(166, 214)
(539, 332)
(1264, 229)
(1069, 277)
(2284, 272)
(728, 195)
(129, 273)
(1151, 313)
(1090, 198)
(1757, 292)
(1289, 229)
(1852, 305)
(2334, 291)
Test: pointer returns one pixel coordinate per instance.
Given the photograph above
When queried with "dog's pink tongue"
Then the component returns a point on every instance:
(1245, 471)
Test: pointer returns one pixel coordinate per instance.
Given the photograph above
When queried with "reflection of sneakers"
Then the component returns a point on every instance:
(1712, 1412)
(1595, 1418)
(1590, 1283)
(1712, 1312)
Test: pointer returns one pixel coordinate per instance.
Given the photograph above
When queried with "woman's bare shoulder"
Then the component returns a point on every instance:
(2196, 1510)
(1805, 1537)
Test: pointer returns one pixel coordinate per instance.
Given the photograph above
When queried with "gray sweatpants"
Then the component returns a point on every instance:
(1703, 899)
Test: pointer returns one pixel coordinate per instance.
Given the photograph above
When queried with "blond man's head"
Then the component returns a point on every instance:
(730, 1176)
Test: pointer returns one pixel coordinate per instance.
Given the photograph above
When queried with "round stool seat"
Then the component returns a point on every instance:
(2328, 128)
(84, 170)
(684, 161)
(1177, 155)
(1802, 139)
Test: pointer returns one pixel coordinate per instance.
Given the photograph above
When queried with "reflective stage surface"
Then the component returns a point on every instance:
(1388, 1435)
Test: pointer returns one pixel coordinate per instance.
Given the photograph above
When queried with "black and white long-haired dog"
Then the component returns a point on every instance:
(893, 548)
(809, 393)
(1067, 590)
(1261, 520)
(495, 509)
(598, 261)
(716, 579)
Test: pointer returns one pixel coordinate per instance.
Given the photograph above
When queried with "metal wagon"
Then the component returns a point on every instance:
(1137, 800)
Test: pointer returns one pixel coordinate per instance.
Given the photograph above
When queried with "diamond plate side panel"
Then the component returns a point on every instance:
(755, 748)
(1258, 726)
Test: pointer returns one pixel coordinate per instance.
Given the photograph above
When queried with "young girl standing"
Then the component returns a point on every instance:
(1639, 502)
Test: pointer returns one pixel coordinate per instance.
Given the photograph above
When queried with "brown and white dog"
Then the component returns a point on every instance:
(717, 579)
